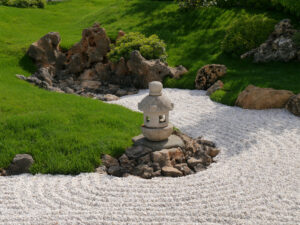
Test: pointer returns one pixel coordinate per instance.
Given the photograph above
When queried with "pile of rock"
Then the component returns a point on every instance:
(278, 47)
(180, 155)
(85, 69)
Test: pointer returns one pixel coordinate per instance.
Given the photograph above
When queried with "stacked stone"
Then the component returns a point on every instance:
(179, 155)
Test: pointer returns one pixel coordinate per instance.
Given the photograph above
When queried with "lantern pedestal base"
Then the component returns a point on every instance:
(157, 134)
(172, 142)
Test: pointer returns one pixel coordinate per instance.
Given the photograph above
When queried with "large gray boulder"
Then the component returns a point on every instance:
(20, 164)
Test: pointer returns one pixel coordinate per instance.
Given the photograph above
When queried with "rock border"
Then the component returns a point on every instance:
(181, 155)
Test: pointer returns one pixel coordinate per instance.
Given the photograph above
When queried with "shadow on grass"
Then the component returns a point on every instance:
(241, 134)
(27, 64)
(54, 2)
(194, 39)
(147, 7)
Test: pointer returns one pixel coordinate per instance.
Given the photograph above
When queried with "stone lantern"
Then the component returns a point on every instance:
(156, 109)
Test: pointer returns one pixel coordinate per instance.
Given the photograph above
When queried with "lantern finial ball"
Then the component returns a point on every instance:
(155, 88)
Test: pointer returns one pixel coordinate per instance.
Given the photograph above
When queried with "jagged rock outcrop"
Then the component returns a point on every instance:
(92, 48)
(208, 75)
(84, 69)
(145, 71)
(263, 98)
(278, 47)
(46, 51)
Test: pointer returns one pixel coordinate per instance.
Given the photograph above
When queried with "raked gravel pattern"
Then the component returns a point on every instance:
(255, 180)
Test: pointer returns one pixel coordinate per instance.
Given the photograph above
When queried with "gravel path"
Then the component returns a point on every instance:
(255, 181)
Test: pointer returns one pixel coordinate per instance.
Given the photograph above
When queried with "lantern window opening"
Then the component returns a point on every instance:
(162, 118)
(147, 119)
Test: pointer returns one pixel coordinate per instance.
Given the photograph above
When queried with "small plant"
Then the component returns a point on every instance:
(296, 39)
(150, 48)
(246, 34)
(24, 3)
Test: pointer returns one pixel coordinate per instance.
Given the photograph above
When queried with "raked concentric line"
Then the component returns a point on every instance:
(255, 180)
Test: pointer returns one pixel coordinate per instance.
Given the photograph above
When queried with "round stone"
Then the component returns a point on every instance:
(155, 88)
(157, 134)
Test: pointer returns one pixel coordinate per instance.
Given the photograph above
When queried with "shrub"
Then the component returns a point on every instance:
(296, 39)
(24, 3)
(150, 48)
(246, 34)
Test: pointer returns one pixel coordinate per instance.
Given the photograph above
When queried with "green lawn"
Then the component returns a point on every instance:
(66, 133)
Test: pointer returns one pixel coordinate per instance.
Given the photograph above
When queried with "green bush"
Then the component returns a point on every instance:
(150, 48)
(24, 3)
(296, 39)
(246, 34)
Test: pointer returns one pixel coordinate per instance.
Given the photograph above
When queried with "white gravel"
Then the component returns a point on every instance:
(255, 181)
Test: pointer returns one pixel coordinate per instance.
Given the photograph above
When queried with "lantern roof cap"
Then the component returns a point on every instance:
(155, 102)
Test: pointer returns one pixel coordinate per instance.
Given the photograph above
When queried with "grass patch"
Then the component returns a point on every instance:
(65, 133)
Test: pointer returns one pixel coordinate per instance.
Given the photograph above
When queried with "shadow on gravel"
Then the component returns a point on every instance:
(238, 129)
